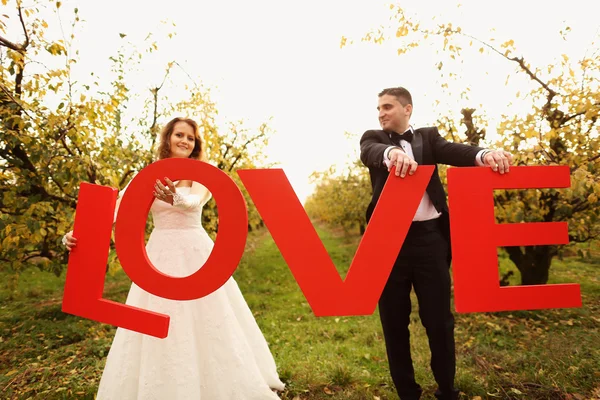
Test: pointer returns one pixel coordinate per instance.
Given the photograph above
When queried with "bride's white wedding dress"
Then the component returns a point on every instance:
(214, 349)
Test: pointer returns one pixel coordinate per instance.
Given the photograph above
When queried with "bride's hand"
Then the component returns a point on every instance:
(69, 241)
(165, 193)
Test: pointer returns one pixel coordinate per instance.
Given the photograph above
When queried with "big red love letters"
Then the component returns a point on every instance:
(474, 231)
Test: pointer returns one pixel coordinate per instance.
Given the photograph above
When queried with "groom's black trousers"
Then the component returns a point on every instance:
(422, 263)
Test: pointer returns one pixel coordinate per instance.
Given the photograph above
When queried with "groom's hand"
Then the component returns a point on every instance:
(498, 160)
(402, 162)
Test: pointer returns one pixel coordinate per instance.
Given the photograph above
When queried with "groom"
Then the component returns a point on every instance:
(424, 260)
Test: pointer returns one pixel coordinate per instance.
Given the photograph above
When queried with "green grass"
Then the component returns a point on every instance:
(548, 354)
(316, 356)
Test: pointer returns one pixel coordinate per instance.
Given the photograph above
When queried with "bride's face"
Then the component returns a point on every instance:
(182, 140)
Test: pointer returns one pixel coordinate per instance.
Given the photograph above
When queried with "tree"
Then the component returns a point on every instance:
(341, 196)
(52, 137)
(56, 133)
(560, 128)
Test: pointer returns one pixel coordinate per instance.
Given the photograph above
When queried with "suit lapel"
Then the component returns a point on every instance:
(417, 147)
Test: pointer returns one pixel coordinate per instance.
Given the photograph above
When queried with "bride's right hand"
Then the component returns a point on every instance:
(69, 241)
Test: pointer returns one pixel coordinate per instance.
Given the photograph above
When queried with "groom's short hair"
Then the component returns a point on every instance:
(400, 93)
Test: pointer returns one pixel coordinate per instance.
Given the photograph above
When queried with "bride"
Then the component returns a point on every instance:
(214, 349)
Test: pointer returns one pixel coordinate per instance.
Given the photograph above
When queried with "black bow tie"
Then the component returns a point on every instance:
(408, 136)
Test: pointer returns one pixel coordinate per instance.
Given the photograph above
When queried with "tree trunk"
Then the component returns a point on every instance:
(533, 262)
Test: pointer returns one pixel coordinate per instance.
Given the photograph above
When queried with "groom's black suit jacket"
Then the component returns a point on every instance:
(429, 148)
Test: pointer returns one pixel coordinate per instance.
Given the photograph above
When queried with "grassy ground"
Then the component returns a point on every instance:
(550, 354)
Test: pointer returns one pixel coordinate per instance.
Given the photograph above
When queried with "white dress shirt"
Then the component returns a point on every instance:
(426, 210)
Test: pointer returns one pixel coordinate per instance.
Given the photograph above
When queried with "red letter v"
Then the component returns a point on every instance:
(292, 231)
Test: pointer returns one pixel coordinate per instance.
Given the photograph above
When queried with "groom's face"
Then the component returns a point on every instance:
(393, 116)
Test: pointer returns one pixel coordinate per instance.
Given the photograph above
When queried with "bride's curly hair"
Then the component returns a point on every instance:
(164, 147)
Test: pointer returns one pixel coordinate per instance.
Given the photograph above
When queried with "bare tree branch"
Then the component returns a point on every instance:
(188, 75)
(32, 255)
(13, 100)
(124, 177)
(244, 147)
(13, 46)
(60, 187)
(62, 140)
(474, 135)
(26, 43)
(152, 129)
(518, 60)
(227, 148)
(597, 156)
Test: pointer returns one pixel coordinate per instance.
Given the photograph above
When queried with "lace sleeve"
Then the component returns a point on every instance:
(192, 200)
(187, 202)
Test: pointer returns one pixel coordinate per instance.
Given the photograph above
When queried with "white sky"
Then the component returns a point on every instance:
(282, 59)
